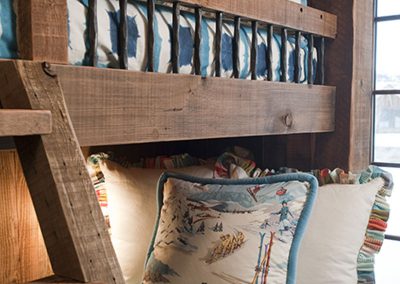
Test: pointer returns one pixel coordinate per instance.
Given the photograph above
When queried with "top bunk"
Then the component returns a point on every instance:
(217, 68)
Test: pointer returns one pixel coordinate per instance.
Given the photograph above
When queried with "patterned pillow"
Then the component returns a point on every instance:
(235, 231)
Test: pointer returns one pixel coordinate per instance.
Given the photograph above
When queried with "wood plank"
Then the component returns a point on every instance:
(24, 122)
(70, 218)
(42, 30)
(332, 149)
(118, 107)
(349, 67)
(23, 255)
(362, 86)
(277, 12)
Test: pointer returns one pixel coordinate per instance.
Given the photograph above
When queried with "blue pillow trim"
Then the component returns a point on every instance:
(301, 225)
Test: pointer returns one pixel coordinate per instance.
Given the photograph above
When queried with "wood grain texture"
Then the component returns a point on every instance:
(362, 86)
(115, 107)
(73, 227)
(42, 30)
(23, 256)
(332, 149)
(24, 122)
(277, 12)
(348, 65)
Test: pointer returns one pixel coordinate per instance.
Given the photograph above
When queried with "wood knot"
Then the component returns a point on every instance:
(288, 120)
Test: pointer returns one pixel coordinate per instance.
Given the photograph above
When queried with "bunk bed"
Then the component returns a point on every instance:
(53, 107)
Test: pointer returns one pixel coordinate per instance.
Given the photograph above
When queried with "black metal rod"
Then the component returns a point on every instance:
(150, 35)
(310, 73)
(254, 49)
(321, 61)
(387, 92)
(392, 237)
(297, 61)
(387, 18)
(270, 35)
(93, 58)
(218, 43)
(236, 44)
(284, 55)
(197, 41)
(175, 36)
(123, 35)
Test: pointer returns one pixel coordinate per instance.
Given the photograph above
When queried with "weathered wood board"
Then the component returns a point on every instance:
(281, 13)
(121, 107)
(24, 122)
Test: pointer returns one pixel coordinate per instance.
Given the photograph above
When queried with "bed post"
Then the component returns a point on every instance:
(42, 32)
(70, 218)
(349, 62)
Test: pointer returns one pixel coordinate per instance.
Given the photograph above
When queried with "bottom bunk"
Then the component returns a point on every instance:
(126, 180)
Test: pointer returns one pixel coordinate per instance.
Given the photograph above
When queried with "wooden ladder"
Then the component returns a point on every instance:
(73, 227)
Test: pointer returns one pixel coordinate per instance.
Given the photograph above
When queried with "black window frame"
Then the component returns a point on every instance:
(395, 17)
(388, 92)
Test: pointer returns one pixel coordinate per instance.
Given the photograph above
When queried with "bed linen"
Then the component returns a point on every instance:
(108, 15)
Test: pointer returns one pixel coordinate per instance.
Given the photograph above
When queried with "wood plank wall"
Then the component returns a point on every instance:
(23, 256)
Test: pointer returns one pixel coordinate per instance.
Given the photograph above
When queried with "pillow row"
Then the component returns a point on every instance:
(338, 224)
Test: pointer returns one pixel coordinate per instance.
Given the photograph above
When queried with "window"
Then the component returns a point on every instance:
(386, 130)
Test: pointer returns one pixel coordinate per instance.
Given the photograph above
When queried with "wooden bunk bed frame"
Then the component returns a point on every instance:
(53, 109)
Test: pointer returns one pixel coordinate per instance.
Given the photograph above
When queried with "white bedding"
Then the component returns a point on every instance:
(108, 14)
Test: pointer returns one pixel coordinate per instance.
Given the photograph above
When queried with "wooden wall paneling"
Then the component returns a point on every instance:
(277, 12)
(23, 255)
(148, 107)
(349, 67)
(73, 227)
(42, 30)
(24, 122)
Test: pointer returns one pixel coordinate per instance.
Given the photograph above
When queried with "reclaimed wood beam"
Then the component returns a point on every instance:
(121, 107)
(280, 13)
(73, 227)
(18, 122)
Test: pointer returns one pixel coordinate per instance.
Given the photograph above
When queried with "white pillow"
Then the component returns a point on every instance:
(335, 233)
(132, 205)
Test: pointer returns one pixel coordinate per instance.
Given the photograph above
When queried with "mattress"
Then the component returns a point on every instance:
(107, 51)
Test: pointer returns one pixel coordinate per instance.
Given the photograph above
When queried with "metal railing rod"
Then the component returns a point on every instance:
(254, 49)
(218, 43)
(310, 78)
(93, 30)
(150, 35)
(176, 12)
(236, 47)
(197, 40)
(284, 71)
(297, 61)
(270, 35)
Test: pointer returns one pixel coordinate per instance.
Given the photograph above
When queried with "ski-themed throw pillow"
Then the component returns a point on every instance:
(233, 231)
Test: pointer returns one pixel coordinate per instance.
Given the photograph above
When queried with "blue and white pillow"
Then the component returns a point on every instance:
(239, 231)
